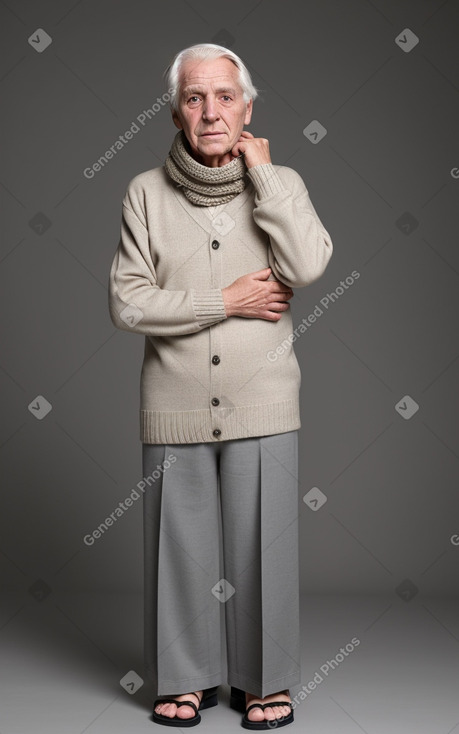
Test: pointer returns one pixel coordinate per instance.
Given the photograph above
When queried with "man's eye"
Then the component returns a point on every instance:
(226, 96)
(193, 98)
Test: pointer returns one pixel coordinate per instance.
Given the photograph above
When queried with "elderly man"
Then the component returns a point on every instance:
(212, 244)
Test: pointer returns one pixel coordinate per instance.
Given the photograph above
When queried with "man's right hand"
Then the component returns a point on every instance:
(253, 296)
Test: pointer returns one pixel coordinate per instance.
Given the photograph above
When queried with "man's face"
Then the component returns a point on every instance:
(211, 109)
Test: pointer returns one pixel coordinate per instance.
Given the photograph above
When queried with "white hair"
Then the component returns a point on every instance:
(202, 51)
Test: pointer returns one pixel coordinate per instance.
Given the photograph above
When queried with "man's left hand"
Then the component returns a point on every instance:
(255, 150)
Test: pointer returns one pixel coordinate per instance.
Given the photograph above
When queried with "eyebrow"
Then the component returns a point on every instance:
(195, 88)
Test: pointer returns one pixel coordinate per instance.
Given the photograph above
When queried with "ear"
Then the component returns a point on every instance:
(248, 113)
(176, 120)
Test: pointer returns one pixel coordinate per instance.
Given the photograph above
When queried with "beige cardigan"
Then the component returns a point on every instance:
(206, 376)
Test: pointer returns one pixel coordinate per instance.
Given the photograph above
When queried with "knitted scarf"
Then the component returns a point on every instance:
(204, 185)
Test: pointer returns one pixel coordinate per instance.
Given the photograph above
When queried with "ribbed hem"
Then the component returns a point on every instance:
(197, 426)
(266, 180)
(208, 306)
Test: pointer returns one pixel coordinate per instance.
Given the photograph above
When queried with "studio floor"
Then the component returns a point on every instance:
(63, 655)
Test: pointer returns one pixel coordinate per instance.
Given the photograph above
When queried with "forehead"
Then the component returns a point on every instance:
(208, 73)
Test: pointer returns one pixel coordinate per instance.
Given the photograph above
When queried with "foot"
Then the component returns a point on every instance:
(270, 712)
(182, 712)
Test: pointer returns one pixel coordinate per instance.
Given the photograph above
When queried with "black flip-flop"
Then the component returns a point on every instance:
(237, 702)
(209, 699)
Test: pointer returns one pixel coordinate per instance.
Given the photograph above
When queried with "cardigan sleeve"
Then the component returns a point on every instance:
(137, 303)
(300, 245)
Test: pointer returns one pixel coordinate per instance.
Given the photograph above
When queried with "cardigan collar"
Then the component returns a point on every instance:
(199, 214)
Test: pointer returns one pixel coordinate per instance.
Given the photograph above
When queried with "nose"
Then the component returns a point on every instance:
(209, 110)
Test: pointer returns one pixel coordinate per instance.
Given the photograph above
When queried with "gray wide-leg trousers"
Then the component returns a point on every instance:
(249, 487)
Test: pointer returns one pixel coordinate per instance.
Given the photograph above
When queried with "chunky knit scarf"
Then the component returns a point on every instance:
(204, 185)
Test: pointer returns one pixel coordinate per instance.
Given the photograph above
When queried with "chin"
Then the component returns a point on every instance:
(209, 141)
(213, 149)
(214, 146)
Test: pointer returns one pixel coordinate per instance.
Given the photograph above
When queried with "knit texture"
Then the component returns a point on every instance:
(203, 185)
(207, 376)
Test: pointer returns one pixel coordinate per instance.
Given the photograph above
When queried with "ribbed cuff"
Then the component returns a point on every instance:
(208, 306)
(266, 180)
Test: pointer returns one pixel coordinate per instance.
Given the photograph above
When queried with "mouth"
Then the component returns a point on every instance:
(211, 135)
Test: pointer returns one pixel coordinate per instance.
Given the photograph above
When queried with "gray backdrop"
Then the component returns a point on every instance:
(379, 439)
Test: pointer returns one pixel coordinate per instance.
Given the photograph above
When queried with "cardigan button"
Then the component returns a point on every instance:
(215, 244)
(215, 401)
(217, 432)
(215, 359)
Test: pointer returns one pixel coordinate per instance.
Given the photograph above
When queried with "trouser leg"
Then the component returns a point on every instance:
(181, 565)
(259, 500)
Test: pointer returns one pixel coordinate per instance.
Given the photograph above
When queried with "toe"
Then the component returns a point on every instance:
(169, 709)
(256, 714)
(185, 712)
(281, 711)
(269, 713)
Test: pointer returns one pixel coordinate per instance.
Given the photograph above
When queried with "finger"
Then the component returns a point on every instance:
(237, 150)
(245, 137)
